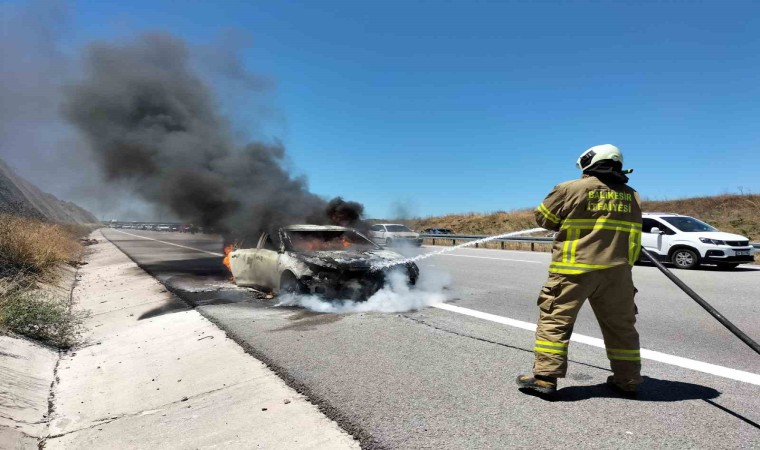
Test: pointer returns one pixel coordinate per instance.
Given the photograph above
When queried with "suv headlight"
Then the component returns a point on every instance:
(712, 241)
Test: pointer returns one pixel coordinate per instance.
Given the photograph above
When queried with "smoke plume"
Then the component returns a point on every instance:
(151, 120)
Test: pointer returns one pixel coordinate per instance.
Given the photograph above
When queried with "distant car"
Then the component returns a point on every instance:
(163, 227)
(390, 234)
(330, 261)
(174, 228)
(437, 231)
(687, 242)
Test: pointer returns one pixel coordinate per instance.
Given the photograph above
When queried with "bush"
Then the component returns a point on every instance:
(32, 246)
(39, 315)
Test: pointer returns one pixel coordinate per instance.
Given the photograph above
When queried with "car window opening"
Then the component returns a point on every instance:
(322, 240)
(689, 224)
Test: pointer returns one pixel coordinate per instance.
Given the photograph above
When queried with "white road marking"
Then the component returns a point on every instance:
(713, 369)
(498, 259)
(170, 243)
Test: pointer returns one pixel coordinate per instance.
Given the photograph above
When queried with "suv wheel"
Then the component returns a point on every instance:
(684, 258)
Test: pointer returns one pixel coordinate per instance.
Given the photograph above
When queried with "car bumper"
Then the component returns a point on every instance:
(728, 257)
(407, 241)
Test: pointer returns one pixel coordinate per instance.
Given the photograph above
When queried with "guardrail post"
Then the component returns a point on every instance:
(532, 246)
(477, 245)
(502, 245)
(433, 241)
(455, 241)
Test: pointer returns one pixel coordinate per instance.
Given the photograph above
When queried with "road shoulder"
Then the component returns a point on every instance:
(155, 373)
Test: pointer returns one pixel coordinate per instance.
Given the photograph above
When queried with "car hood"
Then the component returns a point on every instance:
(348, 259)
(722, 236)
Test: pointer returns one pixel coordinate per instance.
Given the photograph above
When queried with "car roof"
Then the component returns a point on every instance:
(314, 228)
(660, 214)
(386, 224)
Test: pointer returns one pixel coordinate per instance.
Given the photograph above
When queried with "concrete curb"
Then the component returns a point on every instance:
(155, 373)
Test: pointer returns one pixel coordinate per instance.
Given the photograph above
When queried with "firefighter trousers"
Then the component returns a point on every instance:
(610, 293)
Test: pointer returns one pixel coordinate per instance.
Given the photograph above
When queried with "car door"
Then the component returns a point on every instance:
(377, 234)
(650, 241)
(266, 261)
(659, 242)
(257, 266)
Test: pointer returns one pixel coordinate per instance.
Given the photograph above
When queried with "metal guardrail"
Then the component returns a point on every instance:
(519, 239)
(473, 237)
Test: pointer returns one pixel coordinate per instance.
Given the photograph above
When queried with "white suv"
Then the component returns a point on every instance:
(390, 234)
(687, 242)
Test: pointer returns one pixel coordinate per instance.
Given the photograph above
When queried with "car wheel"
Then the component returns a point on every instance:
(729, 266)
(289, 284)
(684, 258)
(388, 242)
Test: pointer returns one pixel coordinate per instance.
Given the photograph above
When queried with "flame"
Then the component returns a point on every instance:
(318, 244)
(227, 250)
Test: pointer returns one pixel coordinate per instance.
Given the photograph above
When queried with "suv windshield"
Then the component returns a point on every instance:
(331, 240)
(397, 228)
(688, 224)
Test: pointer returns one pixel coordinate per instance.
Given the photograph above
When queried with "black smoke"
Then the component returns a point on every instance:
(149, 119)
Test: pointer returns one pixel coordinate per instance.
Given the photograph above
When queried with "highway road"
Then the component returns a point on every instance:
(443, 376)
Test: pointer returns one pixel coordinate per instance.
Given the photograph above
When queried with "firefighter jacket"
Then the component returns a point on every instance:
(598, 225)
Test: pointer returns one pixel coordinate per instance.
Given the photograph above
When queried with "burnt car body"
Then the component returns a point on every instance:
(330, 261)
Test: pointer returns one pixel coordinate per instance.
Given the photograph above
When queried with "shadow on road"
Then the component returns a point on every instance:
(652, 390)
(168, 308)
(202, 266)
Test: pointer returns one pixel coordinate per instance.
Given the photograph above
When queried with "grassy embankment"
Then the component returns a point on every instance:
(31, 253)
(738, 214)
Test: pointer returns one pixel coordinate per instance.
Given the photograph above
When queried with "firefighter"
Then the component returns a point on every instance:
(598, 223)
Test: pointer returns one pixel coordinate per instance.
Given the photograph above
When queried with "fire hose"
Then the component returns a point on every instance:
(713, 312)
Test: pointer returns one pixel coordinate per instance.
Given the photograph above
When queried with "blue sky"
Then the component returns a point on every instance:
(457, 106)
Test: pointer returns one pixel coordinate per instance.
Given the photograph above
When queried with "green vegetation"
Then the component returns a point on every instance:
(30, 252)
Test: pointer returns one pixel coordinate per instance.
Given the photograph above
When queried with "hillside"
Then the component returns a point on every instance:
(21, 198)
(731, 213)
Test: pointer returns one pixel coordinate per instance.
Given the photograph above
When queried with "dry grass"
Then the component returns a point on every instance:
(33, 247)
(29, 251)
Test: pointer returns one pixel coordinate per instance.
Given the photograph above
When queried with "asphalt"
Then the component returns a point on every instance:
(437, 379)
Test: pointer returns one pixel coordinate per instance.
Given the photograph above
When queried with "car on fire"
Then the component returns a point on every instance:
(329, 261)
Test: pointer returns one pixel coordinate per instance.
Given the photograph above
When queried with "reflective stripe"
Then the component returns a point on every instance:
(624, 358)
(634, 247)
(555, 348)
(619, 354)
(574, 246)
(547, 214)
(603, 220)
(567, 271)
(574, 268)
(550, 350)
(566, 247)
(551, 344)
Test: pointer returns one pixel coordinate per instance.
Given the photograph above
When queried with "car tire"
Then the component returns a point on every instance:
(729, 266)
(684, 258)
(388, 242)
(289, 284)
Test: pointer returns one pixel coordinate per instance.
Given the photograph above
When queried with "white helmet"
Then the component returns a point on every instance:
(598, 153)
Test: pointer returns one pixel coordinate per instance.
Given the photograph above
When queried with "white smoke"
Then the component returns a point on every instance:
(395, 296)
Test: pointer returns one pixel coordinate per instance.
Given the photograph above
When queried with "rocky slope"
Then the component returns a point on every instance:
(20, 197)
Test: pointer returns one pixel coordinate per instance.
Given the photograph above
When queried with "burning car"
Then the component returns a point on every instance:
(330, 261)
